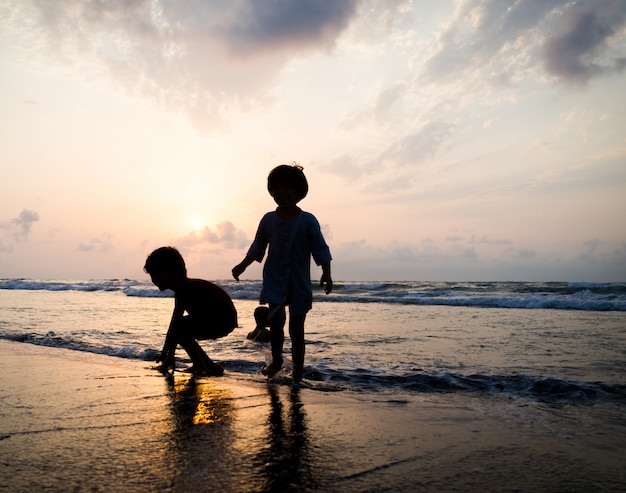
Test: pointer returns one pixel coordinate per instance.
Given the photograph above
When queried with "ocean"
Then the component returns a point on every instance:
(548, 341)
(498, 383)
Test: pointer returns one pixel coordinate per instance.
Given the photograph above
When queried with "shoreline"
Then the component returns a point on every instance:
(74, 421)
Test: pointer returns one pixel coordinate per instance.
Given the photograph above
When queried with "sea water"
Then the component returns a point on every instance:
(493, 386)
(545, 341)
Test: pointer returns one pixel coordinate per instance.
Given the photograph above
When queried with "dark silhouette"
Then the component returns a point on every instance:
(288, 462)
(293, 237)
(210, 313)
(260, 332)
(201, 436)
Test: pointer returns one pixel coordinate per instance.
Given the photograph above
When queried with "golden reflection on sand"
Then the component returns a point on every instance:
(200, 402)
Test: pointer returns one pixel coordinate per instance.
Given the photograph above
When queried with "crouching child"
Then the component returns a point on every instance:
(202, 311)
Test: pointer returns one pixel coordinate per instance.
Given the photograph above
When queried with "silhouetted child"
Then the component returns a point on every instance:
(293, 237)
(202, 310)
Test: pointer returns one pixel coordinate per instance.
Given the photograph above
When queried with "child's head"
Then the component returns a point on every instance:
(165, 260)
(288, 176)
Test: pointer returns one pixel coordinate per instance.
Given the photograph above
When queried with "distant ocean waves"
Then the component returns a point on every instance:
(378, 336)
(525, 295)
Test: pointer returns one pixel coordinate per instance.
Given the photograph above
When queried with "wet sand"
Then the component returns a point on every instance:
(73, 421)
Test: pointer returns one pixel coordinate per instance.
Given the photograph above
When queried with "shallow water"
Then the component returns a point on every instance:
(540, 354)
(434, 398)
(85, 422)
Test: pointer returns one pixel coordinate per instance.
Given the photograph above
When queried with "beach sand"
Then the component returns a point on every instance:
(73, 421)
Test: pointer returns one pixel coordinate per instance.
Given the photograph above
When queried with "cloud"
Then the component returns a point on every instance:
(456, 260)
(609, 262)
(418, 146)
(494, 43)
(593, 245)
(379, 109)
(103, 244)
(24, 223)
(487, 38)
(225, 235)
(275, 24)
(404, 154)
(574, 53)
(400, 261)
(345, 166)
(203, 59)
(526, 253)
(487, 240)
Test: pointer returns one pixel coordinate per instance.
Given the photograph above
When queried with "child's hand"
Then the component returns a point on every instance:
(238, 270)
(241, 266)
(326, 279)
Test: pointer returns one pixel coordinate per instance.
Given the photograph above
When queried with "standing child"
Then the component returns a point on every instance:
(210, 313)
(293, 237)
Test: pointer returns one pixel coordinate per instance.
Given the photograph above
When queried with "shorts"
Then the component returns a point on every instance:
(204, 331)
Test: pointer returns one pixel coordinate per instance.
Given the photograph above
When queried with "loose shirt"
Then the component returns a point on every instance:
(287, 270)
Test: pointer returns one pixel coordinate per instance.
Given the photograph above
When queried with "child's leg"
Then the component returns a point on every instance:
(202, 364)
(277, 338)
(296, 332)
(260, 332)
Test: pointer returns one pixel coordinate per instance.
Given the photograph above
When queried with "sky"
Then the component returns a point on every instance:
(477, 140)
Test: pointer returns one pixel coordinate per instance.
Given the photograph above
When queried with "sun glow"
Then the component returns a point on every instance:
(197, 224)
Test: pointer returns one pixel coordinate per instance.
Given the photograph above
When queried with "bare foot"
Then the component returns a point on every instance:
(165, 368)
(296, 374)
(262, 336)
(214, 370)
(272, 369)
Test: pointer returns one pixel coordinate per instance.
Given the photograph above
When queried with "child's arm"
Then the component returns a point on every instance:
(169, 347)
(241, 267)
(326, 278)
(256, 251)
